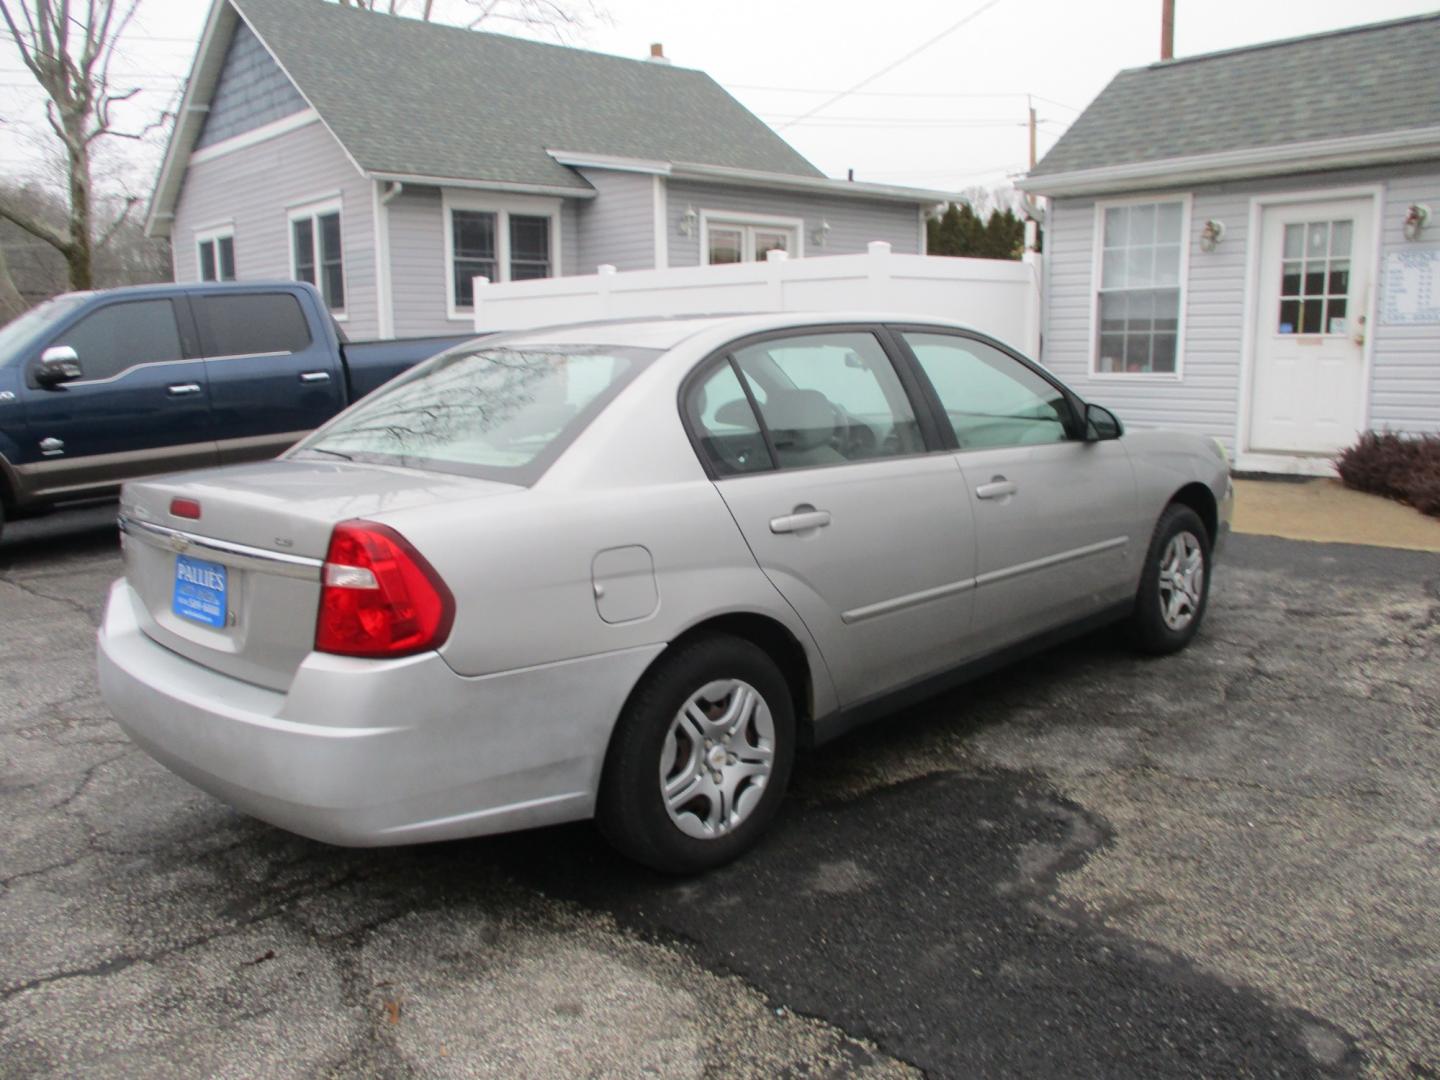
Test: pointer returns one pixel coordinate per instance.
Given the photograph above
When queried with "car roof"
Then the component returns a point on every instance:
(668, 332)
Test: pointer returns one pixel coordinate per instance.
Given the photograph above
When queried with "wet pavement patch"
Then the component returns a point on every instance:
(920, 917)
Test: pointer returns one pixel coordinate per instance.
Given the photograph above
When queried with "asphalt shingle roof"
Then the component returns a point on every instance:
(1379, 78)
(421, 99)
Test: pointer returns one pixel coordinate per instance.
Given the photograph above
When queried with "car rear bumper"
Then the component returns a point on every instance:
(371, 752)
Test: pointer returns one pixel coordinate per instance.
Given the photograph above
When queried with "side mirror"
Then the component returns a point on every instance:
(58, 364)
(1101, 424)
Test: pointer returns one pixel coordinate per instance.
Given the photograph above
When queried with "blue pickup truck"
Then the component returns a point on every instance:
(100, 387)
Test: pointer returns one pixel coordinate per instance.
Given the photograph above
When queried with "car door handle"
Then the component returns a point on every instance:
(314, 376)
(184, 388)
(997, 488)
(800, 521)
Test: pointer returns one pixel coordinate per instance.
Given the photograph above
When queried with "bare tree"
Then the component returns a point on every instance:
(559, 18)
(67, 46)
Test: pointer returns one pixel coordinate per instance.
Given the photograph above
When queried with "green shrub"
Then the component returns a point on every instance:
(1404, 467)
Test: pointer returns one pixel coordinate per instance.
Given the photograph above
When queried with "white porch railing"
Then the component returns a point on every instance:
(997, 297)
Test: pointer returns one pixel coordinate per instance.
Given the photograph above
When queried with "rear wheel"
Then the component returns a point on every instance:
(701, 757)
(1175, 583)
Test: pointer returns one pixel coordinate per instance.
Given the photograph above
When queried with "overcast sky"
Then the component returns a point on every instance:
(950, 117)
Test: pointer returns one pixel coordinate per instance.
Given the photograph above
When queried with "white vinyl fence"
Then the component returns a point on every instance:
(997, 297)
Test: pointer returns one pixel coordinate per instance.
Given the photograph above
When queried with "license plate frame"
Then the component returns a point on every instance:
(201, 592)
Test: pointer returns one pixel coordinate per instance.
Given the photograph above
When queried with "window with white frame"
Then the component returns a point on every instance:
(1139, 296)
(503, 240)
(729, 239)
(215, 254)
(316, 254)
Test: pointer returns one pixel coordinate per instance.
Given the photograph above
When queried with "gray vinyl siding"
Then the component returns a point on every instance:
(853, 222)
(253, 189)
(1405, 372)
(252, 91)
(618, 225)
(1405, 361)
(419, 277)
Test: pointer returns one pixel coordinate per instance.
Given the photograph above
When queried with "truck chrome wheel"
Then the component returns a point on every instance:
(717, 758)
(1182, 580)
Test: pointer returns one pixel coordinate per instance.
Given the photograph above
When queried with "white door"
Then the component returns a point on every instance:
(1308, 389)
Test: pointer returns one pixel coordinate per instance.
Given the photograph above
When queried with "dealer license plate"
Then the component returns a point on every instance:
(200, 589)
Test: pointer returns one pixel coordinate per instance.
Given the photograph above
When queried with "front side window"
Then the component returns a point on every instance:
(829, 398)
(1139, 296)
(728, 241)
(989, 398)
(503, 412)
(315, 246)
(216, 254)
(119, 337)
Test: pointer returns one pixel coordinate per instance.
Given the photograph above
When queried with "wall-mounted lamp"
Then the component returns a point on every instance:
(1416, 219)
(821, 233)
(688, 221)
(1212, 234)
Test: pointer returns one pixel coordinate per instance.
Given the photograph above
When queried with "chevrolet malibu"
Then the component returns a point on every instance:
(623, 570)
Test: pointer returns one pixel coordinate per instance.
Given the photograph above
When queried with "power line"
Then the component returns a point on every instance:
(896, 63)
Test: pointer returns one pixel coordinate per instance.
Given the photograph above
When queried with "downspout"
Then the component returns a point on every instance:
(382, 195)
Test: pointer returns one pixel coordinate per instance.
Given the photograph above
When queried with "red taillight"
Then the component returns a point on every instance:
(378, 595)
(186, 508)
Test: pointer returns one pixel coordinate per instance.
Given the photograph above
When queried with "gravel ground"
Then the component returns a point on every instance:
(1222, 863)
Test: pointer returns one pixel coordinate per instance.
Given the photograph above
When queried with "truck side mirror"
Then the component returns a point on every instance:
(1101, 424)
(58, 364)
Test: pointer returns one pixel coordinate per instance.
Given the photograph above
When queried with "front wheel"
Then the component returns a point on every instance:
(1174, 584)
(700, 758)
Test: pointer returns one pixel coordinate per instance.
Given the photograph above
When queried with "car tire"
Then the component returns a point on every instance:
(700, 758)
(1174, 583)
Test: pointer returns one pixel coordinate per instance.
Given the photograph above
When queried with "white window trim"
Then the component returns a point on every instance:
(502, 206)
(212, 234)
(734, 219)
(319, 208)
(1186, 201)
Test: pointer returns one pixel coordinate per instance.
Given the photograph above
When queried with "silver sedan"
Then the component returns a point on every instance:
(623, 570)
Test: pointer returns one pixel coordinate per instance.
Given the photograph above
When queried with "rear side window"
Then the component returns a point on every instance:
(725, 424)
(247, 324)
(122, 336)
(828, 399)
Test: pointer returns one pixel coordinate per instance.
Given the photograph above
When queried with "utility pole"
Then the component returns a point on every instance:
(1031, 103)
(1167, 29)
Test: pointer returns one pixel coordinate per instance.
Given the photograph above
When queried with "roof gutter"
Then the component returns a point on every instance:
(484, 185)
(1351, 151)
(753, 178)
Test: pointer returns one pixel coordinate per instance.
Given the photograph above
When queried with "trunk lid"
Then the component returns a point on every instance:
(238, 589)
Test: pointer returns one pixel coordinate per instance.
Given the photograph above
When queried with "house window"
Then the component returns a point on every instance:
(726, 239)
(472, 236)
(1315, 278)
(316, 254)
(215, 255)
(1138, 301)
(499, 239)
(529, 247)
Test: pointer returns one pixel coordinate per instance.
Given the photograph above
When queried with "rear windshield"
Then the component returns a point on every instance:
(498, 412)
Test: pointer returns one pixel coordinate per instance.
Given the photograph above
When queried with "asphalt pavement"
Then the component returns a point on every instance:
(1222, 863)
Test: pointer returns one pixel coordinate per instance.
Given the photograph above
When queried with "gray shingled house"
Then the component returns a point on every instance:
(391, 161)
(1237, 243)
